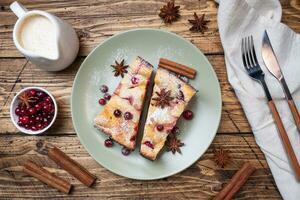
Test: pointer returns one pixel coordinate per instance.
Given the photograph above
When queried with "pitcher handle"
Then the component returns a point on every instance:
(18, 9)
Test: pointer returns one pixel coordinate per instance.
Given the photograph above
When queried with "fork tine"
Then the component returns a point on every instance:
(253, 51)
(244, 54)
(249, 56)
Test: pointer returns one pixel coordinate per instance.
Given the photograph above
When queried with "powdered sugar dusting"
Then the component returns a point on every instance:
(161, 115)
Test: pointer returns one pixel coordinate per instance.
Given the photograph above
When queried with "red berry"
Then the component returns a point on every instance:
(44, 103)
(41, 94)
(180, 96)
(175, 130)
(24, 120)
(188, 115)
(160, 127)
(31, 121)
(48, 107)
(17, 111)
(33, 128)
(126, 151)
(102, 101)
(39, 126)
(107, 96)
(38, 119)
(117, 113)
(108, 142)
(32, 92)
(22, 112)
(149, 144)
(48, 99)
(26, 126)
(128, 116)
(31, 111)
(38, 106)
(20, 123)
(134, 80)
(104, 88)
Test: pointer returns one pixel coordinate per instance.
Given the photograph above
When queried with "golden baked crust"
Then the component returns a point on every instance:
(167, 116)
(128, 97)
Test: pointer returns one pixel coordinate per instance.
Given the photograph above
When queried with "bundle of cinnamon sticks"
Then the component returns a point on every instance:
(65, 162)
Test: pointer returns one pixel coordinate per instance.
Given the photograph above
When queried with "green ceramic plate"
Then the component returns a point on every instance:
(151, 44)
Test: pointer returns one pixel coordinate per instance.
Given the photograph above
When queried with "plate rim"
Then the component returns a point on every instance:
(107, 167)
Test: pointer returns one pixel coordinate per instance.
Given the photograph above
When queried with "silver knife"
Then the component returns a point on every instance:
(272, 65)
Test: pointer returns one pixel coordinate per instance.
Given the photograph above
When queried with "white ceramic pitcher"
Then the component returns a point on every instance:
(67, 42)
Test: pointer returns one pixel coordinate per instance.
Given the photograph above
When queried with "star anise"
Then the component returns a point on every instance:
(221, 157)
(169, 13)
(119, 68)
(26, 99)
(173, 144)
(163, 98)
(199, 23)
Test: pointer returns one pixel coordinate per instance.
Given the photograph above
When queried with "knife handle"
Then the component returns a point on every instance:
(291, 103)
(285, 139)
(295, 112)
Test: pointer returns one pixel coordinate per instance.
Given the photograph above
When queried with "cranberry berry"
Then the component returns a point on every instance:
(32, 92)
(48, 99)
(22, 112)
(17, 111)
(188, 115)
(31, 111)
(126, 151)
(117, 113)
(107, 96)
(149, 144)
(102, 101)
(39, 126)
(41, 94)
(134, 80)
(24, 120)
(38, 107)
(160, 127)
(175, 130)
(108, 142)
(128, 116)
(104, 88)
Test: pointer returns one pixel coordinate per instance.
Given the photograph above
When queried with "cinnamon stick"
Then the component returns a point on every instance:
(45, 176)
(71, 166)
(177, 68)
(237, 181)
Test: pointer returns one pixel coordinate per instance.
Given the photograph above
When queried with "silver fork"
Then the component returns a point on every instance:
(254, 71)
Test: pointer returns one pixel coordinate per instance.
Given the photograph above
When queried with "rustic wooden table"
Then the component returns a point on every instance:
(94, 22)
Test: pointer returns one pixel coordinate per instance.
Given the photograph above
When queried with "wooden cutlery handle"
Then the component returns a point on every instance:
(295, 113)
(285, 139)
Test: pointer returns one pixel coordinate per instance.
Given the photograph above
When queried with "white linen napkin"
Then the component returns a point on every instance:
(240, 18)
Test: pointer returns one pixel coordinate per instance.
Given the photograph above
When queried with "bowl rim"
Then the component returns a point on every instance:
(12, 108)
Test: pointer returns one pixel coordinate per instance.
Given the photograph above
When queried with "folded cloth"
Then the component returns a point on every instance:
(240, 18)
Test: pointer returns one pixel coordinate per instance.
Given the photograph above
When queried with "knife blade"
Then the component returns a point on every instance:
(269, 57)
(273, 66)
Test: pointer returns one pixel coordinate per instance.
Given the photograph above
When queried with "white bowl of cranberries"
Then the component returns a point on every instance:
(33, 110)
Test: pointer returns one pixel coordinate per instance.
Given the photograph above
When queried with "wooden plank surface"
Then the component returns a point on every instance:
(95, 21)
(201, 181)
